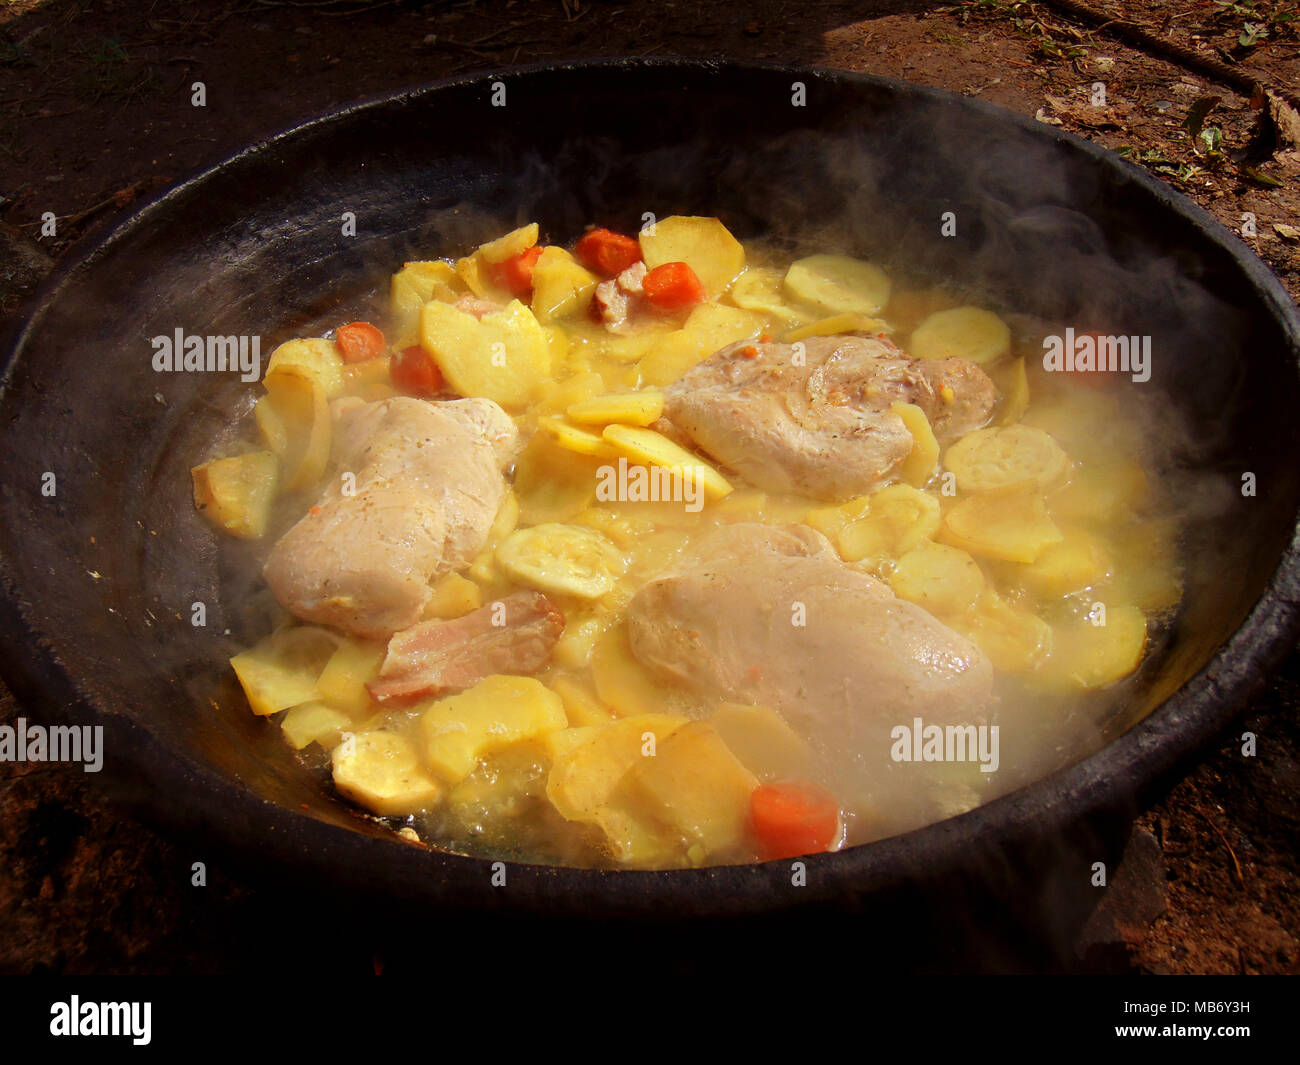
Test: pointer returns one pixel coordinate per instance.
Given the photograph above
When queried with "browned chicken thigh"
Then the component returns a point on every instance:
(813, 418)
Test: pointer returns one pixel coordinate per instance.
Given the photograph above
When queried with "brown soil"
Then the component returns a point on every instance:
(95, 112)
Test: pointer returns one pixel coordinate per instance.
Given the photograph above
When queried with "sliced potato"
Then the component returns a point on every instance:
(415, 285)
(898, 519)
(940, 578)
(1079, 561)
(704, 244)
(562, 286)
(582, 384)
(838, 284)
(1014, 386)
(236, 493)
(271, 426)
(763, 742)
(282, 669)
(576, 439)
(553, 483)
(516, 242)
(621, 683)
(695, 786)
(302, 408)
(381, 771)
(504, 356)
(310, 723)
(961, 333)
(454, 596)
(581, 704)
(645, 445)
(836, 324)
(920, 464)
(1010, 525)
(342, 683)
(1087, 656)
(759, 289)
(584, 777)
(1016, 455)
(320, 360)
(626, 408)
(564, 559)
(1101, 492)
(708, 328)
(1015, 640)
(459, 730)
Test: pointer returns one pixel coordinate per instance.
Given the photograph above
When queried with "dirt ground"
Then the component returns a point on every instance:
(95, 112)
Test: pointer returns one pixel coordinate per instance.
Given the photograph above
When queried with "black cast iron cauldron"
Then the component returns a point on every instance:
(99, 578)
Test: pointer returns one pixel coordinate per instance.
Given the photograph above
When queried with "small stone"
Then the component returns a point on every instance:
(1286, 232)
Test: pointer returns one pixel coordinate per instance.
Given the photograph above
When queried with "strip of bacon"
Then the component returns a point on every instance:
(436, 656)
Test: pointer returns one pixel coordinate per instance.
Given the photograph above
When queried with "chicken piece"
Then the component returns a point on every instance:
(515, 635)
(620, 302)
(818, 422)
(428, 484)
(770, 616)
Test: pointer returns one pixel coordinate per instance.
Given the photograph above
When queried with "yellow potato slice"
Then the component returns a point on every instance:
(554, 483)
(415, 285)
(837, 284)
(453, 596)
(1013, 383)
(961, 333)
(923, 460)
(505, 356)
(516, 242)
(709, 328)
(1015, 640)
(621, 683)
(1011, 525)
(459, 730)
(837, 324)
(703, 244)
(655, 449)
(626, 408)
(342, 683)
(564, 559)
(898, 519)
(1016, 455)
(320, 360)
(302, 407)
(583, 384)
(576, 439)
(1088, 656)
(562, 287)
(695, 787)
(763, 742)
(581, 704)
(940, 578)
(759, 289)
(584, 777)
(310, 723)
(1101, 492)
(236, 493)
(282, 669)
(1079, 561)
(380, 771)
